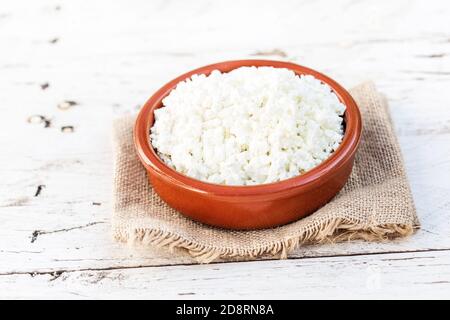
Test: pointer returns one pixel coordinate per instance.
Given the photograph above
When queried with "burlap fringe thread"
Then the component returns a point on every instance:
(336, 230)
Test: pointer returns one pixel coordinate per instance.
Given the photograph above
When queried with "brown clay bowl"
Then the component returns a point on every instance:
(249, 207)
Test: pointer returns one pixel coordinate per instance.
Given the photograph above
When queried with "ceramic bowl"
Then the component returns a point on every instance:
(249, 207)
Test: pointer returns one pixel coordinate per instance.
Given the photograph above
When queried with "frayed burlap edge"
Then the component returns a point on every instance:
(335, 230)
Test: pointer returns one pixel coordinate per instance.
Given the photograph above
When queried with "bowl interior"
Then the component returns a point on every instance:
(351, 122)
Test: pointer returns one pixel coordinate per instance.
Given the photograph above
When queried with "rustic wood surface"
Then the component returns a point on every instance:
(67, 69)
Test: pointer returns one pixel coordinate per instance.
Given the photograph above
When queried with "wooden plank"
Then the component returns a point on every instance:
(384, 276)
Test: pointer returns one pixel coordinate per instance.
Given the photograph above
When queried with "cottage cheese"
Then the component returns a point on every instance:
(248, 126)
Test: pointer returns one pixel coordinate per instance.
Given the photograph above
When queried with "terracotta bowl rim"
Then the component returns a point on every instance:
(310, 179)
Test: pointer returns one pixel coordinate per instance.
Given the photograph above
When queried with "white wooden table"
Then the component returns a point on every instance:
(109, 56)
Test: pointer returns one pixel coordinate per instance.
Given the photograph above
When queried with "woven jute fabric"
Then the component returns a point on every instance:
(375, 204)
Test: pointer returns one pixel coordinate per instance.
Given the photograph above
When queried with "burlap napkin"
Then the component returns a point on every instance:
(375, 204)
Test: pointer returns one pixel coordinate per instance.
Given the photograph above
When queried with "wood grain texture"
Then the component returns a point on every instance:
(416, 275)
(55, 189)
